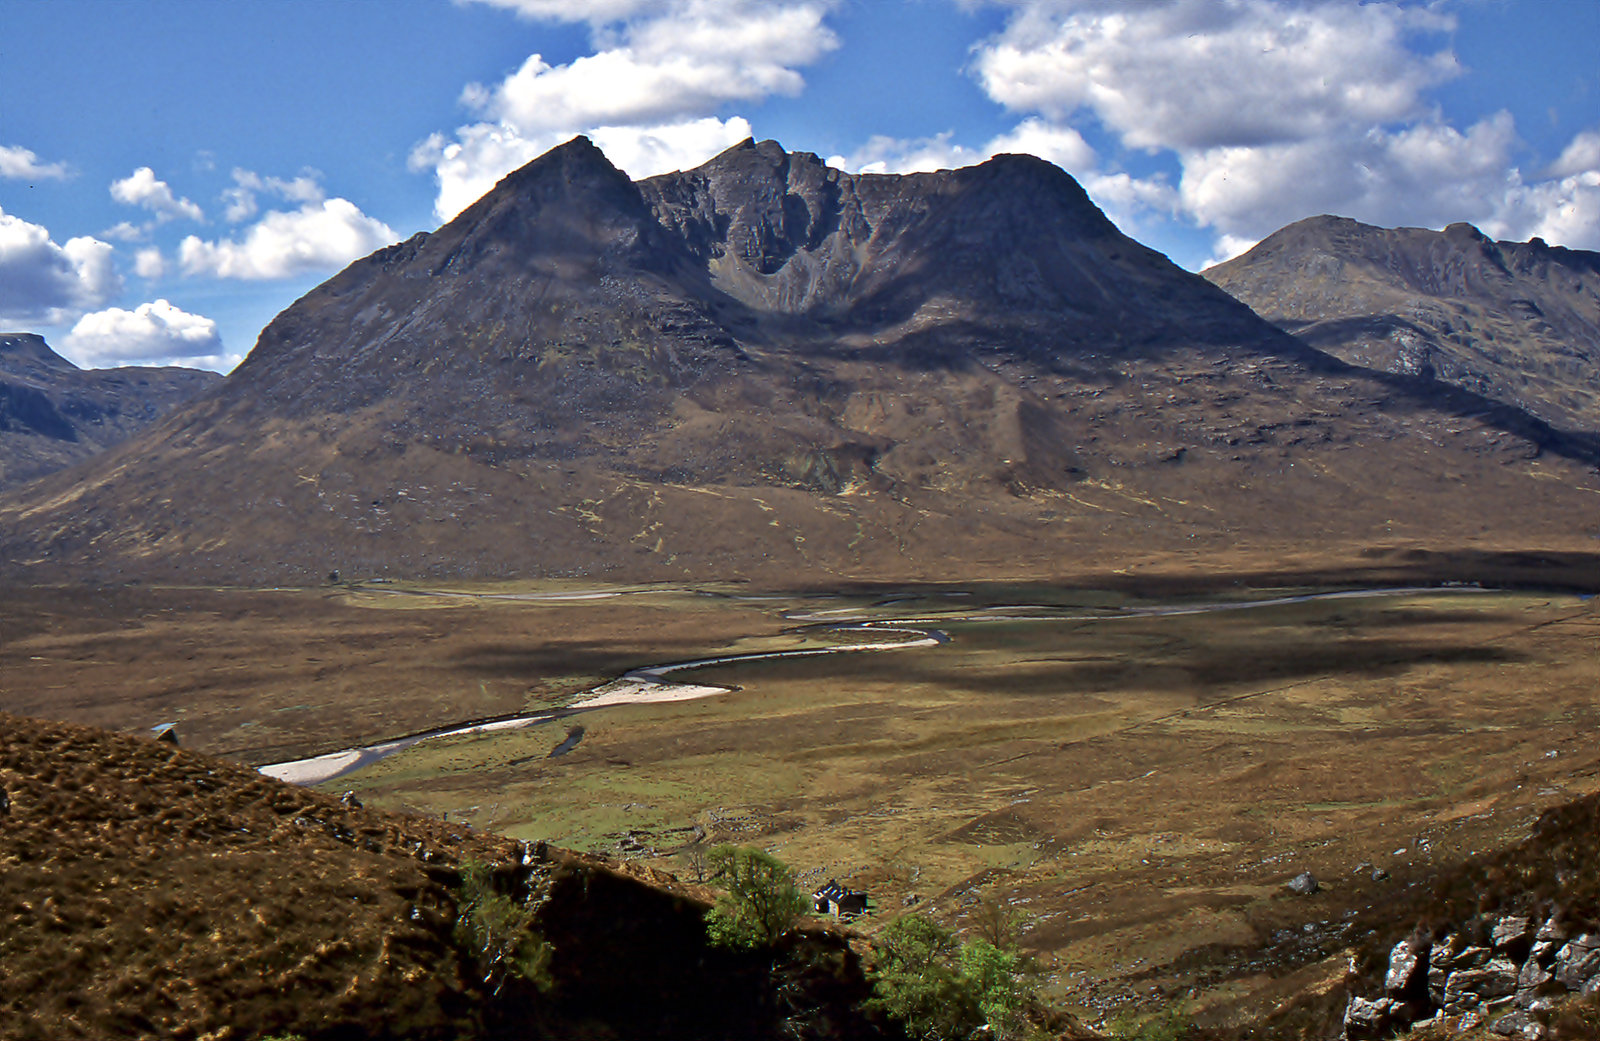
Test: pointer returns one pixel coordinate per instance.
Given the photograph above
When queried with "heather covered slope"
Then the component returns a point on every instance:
(766, 368)
(54, 414)
(147, 891)
(1518, 322)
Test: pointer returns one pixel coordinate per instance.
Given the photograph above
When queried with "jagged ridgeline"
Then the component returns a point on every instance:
(767, 367)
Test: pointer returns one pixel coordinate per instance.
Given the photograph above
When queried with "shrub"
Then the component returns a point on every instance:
(498, 931)
(1170, 1025)
(761, 902)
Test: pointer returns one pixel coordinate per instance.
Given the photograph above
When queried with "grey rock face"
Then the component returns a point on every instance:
(1511, 936)
(1578, 962)
(1464, 985)
(1518, 322)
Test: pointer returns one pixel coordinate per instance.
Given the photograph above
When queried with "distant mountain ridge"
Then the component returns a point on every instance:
(54, 414)
(768, 367)
(1517, 322)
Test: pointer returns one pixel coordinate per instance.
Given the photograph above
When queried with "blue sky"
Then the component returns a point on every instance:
(175, 172)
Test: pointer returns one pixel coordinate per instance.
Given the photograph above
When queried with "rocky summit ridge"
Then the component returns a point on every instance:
(767, 367)
(1518, 322)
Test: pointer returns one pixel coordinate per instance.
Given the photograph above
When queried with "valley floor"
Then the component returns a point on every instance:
(1139, 783)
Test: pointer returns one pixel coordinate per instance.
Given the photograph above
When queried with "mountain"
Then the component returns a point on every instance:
(769, 368)
(54, 414)
(1518, 322)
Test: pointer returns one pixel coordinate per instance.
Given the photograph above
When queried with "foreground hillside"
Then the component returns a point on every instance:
(765, 368)
(1518, 322)
(54, 414)
(148, 891)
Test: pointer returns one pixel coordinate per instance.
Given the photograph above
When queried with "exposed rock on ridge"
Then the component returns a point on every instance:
(1011, 252)
(1518, 322)
(767, 366)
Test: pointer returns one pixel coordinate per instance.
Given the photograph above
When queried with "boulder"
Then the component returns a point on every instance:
(1552, 929)
(1468, 988)
(1530, 979)
(1303, 884)
(1578, 962)
(1408, 970)
(1368, 1020)
(1519, 1023)
(1510, 936)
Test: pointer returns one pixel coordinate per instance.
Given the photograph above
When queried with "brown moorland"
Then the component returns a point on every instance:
(1140, 788)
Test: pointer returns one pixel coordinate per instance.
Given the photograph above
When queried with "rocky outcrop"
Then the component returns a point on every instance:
(1507, 973)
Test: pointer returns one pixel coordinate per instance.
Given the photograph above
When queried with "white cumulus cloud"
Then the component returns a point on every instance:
(143, 189)
(1209, 73)
(125, 231)
(1275, 110)
(148, 263)
(682, 64)
(1582, 155)
(596, 11)
(49, 284)
(155, 333)
(651, 96)
(22, 164)
(240, 200)
(316, 237)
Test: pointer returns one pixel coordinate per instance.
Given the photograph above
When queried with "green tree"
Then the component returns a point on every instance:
(916, 980)
(942, 989)
(1002, 982)
(761, 902)
(498, 931)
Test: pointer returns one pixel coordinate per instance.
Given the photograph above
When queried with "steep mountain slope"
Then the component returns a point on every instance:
(1517, 322)
(767, 367)
(54, 414)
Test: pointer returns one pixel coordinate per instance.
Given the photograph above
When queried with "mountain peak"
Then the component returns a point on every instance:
(1512, 321)
(31, 347)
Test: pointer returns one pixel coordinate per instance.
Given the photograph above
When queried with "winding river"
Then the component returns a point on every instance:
(651, 684)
